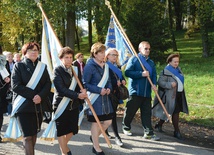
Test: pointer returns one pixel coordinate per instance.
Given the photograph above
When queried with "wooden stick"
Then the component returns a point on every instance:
(135, 53)
(81, 87)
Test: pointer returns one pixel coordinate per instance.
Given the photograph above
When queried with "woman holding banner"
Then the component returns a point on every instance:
(98, 83)
(171, 91)
(117, 79)
(31, 85)
(66, 89)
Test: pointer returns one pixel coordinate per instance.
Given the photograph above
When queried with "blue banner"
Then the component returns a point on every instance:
(115, 39)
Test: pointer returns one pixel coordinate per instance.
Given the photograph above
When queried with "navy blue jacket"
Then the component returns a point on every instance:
(92, 76)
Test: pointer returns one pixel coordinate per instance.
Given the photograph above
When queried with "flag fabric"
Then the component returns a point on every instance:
(115, 39)
(50, 48)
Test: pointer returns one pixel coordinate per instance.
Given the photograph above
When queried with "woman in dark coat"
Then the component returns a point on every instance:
(171, 91)
(4, 83)
(67, 122)
(29, 114)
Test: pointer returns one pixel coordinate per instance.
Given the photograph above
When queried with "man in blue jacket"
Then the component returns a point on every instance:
(140, 91)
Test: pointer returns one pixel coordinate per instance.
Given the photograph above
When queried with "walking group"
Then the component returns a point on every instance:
(100, 78)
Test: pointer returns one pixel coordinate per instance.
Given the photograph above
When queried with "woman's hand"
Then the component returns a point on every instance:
(37, 99)
(103, 91)
(83, 94)
(173, 84)
(124, 82)
(7, 80)
(108, 91)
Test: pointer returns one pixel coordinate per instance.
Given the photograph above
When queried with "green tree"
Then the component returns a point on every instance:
(205, 13)
(144, 21)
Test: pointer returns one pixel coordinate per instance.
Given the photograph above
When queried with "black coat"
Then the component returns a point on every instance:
(21, 75)
(62, 81)
(3, 93)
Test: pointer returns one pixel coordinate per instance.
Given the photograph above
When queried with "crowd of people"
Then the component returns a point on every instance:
(28, 79)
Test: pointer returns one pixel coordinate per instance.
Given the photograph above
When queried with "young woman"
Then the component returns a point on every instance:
(171, 91)
(66, 89)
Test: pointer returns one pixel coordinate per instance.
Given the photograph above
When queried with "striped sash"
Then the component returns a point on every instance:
(13, 132)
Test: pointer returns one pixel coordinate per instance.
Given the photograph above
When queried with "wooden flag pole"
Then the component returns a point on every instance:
(135, 53)
(81, 87)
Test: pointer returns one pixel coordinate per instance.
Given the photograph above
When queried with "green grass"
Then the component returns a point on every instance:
(199, 78)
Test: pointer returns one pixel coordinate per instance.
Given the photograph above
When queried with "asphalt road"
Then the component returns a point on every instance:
(136, 145)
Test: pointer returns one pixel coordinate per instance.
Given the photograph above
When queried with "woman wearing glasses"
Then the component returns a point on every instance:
(30, 82)
(117, 79)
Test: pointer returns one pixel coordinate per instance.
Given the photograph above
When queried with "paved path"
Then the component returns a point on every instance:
(136, 145)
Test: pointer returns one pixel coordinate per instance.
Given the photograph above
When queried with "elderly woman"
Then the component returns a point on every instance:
(31, 82)
(98, 83)
(171, 91)
(66, 88)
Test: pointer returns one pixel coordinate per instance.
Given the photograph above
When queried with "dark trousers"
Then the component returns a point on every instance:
(134, 103)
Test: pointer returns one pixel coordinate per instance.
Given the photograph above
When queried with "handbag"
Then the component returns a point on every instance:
(122, 92)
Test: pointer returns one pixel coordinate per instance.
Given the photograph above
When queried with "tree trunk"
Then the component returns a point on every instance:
(77, 38)
(70, 33)
(178, 14)
(89, 24)
(174, 46)
(205, 41)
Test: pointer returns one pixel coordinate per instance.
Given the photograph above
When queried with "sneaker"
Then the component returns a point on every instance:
(152, 137)
(118, 141)
(127, 132)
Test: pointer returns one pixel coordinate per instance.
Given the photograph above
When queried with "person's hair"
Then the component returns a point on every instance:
(0, 50)
(64, 51)
(108, 52)
(96, 48)
(143, 43)
(78, 55)
(171, 56)
(28, 46)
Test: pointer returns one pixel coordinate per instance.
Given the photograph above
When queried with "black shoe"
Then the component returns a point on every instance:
(97, 153)
(69, 153)
(158, 127)
(178, 135)
(0, 139)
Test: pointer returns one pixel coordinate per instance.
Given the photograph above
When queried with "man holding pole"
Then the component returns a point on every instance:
(140, 91)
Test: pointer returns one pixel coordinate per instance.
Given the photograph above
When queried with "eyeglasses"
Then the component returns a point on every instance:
(114, 55)
(30, 50)
(147, 49)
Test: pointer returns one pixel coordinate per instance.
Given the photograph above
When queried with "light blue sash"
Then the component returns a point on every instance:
(50, 131)
(93, 96)
(13, 132)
